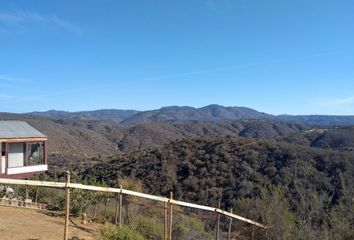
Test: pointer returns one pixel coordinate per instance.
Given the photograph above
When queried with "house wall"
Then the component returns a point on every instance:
(16, 155)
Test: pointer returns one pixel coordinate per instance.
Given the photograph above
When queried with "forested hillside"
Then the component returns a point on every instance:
(314, 187)
(339, 138)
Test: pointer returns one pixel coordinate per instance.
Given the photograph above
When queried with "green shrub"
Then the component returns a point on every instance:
(187, 227)
(148, 227)
(111, 232)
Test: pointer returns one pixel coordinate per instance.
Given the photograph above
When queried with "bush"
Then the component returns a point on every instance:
(148, 227)
(187, 227)
(111, 232)
(271, 208)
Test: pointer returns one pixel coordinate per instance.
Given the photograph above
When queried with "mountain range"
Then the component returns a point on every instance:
(91, 138)
(185, 113)
(79, 136)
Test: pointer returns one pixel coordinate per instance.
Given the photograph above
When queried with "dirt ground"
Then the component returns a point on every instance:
(29, 224)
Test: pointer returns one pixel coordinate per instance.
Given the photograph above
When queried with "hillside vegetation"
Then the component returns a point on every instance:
(314, 187)
(339, 138)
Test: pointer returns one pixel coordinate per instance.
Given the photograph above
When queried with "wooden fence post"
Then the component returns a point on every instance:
(165, 221)
(67, 207)
(105, 208)
(218, 226)
(117, 210)
(171, 209)
(95, 210)
(36, 198)
(27, 195)
(230, 226)
(120, 206)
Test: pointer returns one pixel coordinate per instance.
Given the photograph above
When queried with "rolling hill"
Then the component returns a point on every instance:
(339, 138)
(91, 138)
(208, 113)
(114, 115)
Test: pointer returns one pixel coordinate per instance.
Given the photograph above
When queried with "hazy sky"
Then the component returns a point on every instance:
(277, 56)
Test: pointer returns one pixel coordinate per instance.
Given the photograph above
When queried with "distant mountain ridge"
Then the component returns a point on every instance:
(185, 113)
(166, 114)
(114, 115)
(325, 120)
(207, 113)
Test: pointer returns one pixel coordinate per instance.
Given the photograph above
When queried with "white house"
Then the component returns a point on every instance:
(23, 150)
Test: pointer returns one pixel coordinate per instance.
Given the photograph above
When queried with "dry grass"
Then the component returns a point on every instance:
(28, 224)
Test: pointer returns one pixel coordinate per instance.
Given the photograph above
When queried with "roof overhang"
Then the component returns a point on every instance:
(20, 140)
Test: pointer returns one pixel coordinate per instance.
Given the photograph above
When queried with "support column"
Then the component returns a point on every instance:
(217, 236)
(6, 157)
(230, 228)
(165, 222)
(170, 223)
(45, 143)
(120, 206)
(67, 207)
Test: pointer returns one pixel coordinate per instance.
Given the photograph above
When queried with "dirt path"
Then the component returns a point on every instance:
(28, 224)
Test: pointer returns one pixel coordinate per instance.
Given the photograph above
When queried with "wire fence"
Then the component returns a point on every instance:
(117, 213)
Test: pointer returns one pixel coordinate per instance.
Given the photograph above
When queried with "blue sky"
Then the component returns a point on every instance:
(277, 56)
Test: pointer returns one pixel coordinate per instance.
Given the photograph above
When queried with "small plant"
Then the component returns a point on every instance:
(110, 232)
(190, 228)
(149, 227)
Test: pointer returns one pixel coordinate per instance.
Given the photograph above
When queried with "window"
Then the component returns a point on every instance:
(34, 154)
(3, 149)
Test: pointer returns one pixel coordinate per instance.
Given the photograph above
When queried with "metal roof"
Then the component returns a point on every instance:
(18, 129)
